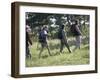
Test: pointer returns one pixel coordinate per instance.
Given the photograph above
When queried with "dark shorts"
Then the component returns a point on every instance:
(44, 44)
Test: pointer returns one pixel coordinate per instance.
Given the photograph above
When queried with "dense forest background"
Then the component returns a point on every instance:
(54, 21)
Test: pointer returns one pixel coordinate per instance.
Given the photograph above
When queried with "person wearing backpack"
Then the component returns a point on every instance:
(43, 40)
(76, 33)
(63, 40)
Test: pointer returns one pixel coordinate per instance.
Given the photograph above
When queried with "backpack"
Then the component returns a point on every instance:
(42, 36)
(72, 28)
(60, 36)
(74, 31)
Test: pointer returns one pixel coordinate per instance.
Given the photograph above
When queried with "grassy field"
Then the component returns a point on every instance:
(78, 57)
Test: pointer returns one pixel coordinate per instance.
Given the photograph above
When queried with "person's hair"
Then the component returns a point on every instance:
(62, 27)
(76, 22)
(44, 27)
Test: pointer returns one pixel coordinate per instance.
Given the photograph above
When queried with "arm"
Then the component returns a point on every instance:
(27, 36)
(63, 34)
(30, 41)
(78, 30)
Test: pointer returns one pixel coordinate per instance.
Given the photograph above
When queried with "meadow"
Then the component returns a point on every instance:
(77, 57)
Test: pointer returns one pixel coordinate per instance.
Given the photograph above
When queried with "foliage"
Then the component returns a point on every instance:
(54, 21)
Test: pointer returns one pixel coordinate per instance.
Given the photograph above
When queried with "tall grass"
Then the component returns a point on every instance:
(78, 57)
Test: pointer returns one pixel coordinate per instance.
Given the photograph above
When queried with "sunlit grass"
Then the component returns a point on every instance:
(78, 57)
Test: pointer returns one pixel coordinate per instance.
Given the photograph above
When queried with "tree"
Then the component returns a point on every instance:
(54, 21)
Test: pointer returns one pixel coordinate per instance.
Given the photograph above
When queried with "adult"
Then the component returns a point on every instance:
(43, 40)
(76, 33)
(63, 39)
(28, 42)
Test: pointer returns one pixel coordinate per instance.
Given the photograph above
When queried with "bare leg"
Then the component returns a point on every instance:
(28, 54)
(42, 47)
(61, 47)
(78, 42)
(66, 44)
(48, 49)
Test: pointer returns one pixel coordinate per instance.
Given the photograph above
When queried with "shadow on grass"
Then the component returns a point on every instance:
(44, 56)
(53, 54)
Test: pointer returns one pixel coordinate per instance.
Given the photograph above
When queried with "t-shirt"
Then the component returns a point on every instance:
(42, 36)
(75, 30)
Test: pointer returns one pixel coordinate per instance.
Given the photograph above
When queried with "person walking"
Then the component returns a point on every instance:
(63, 39)
(28, 42)
(43, 40)
(76, 33)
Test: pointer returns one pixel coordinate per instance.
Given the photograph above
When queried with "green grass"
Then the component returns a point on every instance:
(78, 57)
